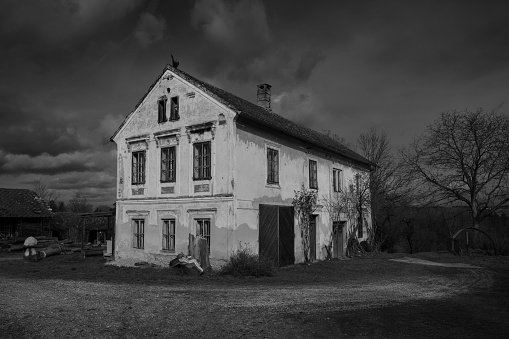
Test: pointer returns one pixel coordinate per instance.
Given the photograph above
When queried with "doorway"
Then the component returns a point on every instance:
(337, 238)
(312, 237)
(276, 237)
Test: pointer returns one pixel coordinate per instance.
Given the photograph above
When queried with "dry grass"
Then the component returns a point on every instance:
(63, 297)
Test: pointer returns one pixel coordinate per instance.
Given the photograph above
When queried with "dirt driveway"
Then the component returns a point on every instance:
(361, 298)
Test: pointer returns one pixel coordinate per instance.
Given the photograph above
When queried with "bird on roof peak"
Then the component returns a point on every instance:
(174, 63)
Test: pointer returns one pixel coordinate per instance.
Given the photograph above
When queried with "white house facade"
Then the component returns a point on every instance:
(194, 159)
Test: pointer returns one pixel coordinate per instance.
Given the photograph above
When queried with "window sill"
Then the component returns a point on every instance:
(202, 179)
(273, 186)
(168, 252)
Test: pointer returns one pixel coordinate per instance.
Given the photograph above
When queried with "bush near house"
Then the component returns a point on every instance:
(244, 263)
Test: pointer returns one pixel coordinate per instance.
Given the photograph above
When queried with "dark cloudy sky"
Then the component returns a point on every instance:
(71, 70)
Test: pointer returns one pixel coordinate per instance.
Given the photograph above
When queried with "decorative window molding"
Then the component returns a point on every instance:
(163, 138)
(200, 128)
(138, 143)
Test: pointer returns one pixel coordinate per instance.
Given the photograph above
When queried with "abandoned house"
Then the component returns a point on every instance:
(23, 214)
(195, 159)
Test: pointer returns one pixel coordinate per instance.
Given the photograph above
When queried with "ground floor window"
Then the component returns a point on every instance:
(203, 229)
(169, 235)
(139, 233)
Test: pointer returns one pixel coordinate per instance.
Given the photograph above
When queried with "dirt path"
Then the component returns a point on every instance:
(433, 263)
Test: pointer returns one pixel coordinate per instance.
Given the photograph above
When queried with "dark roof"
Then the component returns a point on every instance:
(260, 115)
(22, 203)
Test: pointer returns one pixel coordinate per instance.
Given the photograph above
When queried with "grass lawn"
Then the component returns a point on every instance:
(63, 297)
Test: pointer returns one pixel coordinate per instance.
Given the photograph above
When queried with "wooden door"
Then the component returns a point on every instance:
(286, 236)
(337, 238)
(312, 237)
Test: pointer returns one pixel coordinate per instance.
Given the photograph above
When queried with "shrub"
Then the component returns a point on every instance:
(244, 263)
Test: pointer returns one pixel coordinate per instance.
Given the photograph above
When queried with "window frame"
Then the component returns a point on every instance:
(202, 163)
(137, 169)
(313, 174)
(174, 109)
(161, 110)
(201, 228)
(168, 237)
(138, 237)
(169, 165)
(272, 166)
(337, 180)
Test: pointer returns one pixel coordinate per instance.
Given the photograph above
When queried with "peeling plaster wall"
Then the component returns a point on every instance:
(184, 212)
(143, 132)
(251, 188)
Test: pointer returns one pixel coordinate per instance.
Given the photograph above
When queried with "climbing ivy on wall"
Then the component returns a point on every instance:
(304, 203)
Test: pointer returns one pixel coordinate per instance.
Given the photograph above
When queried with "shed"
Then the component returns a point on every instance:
(23, 214)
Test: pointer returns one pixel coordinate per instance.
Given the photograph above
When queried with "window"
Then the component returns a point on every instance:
(201, 156)
(337, 179)
(272, 166)
(161, 110)
(169, 235)
(174, 109)
(138, 170)
(139, 233)
(203, 229)
(168, 164)
(313, 177)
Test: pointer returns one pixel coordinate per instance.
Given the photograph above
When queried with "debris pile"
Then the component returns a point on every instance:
(187, 264)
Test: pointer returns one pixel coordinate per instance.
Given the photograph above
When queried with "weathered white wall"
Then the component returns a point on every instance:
(251, 188)
(184, 204)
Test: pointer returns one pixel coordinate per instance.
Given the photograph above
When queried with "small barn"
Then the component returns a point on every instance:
(23, 214)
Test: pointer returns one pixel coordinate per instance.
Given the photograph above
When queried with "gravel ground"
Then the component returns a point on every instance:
(324, 300)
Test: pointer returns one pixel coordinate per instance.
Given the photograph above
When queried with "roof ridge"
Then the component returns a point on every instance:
(341, 147)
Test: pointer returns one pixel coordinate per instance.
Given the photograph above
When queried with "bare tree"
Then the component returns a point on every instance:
(78, 204)
(43, 191)
(387, 185)
(463, 157)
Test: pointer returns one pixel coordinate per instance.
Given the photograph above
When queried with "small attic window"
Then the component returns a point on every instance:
(174, 109)
(161, 110)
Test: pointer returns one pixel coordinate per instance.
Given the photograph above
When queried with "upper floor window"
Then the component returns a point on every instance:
(272, 166)
(201, 156)
(168, 164)
(337, 179)
(169, 235)
(174, 108)
(138, 168)
(313, 174)
(161, 110)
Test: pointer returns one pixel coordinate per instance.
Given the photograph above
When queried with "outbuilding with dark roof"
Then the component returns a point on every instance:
(22, 213)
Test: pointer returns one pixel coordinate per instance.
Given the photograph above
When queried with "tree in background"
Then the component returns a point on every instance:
(44, 191)
(78, 204)
(387, 186)
(462, 159)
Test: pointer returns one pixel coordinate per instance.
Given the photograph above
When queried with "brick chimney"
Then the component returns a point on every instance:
(263, 96)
